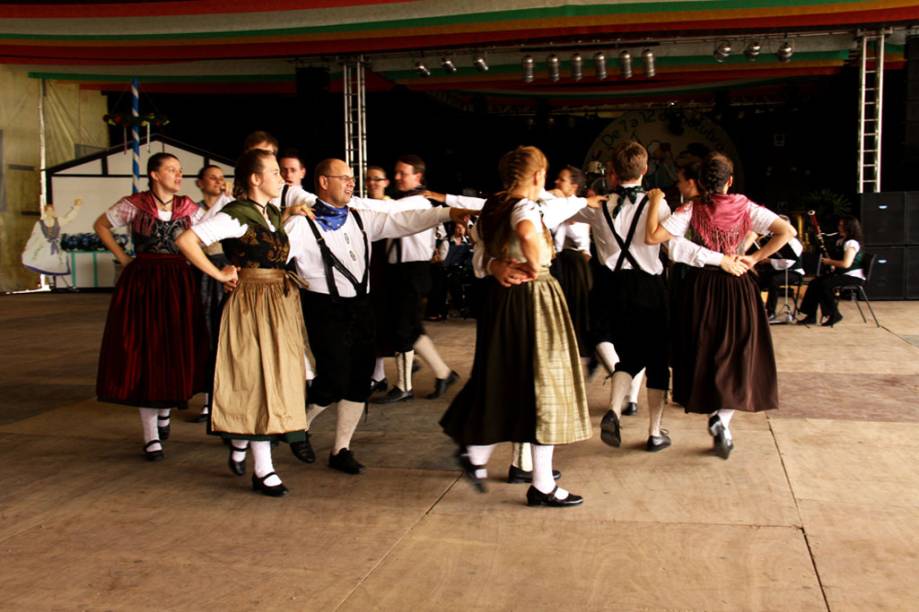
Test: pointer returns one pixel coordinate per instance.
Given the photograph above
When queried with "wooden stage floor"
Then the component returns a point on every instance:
(818, 507)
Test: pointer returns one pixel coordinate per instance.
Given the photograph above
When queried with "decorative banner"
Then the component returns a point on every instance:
(666, 133)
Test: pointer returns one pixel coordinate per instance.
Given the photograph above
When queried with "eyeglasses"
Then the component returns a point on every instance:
(344, 178)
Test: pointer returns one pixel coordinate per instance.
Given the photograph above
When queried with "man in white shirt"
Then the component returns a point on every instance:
(408, 280)
(332, 254)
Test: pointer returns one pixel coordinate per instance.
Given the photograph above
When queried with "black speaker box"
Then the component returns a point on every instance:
(888, 278)
(912, 272)
(884, 217)
(912, 217)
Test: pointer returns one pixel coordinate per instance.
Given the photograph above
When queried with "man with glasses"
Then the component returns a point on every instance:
(408, 280)
(332, 254)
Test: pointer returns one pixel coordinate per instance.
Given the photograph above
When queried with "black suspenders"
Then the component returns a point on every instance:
(333, 263)
(284, 197)
(624, 245)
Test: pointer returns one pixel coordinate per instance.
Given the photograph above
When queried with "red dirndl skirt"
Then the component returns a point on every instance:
(155, 348)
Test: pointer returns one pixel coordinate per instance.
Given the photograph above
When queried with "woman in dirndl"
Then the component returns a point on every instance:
(723, 358)
(155, 347)
(259, 381)
(526, 383)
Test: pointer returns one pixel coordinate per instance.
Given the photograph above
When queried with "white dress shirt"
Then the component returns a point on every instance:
(347, 243)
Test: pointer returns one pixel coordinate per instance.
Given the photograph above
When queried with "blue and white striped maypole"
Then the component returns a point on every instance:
(135, 134)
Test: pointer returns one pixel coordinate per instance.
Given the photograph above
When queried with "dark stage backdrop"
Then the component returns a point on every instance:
(804, 143)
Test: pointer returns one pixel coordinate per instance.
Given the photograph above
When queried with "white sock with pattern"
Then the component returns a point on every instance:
(655, 411)
(404, 370)
(349, 415)
(522, 457)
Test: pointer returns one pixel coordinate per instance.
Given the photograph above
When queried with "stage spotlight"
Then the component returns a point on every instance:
(422, 69)
(447, 64)
(722, 51)
(752, 50)
(625, 64)
(552, 67)
(577, 67)
(785, 52)
(648, 57)
(527, 64)
(600, 65)
(480, 64)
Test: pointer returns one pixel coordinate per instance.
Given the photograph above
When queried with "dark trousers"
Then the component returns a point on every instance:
(630, 309)
(407, 284)
(772, 281)
(342, 338)
(820, 292)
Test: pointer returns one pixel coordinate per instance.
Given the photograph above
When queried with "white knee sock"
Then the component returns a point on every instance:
(349, 415)
(479, 455)
(522, 456)
(379, 372)
(312, 411)
(622, 381)
(426, 350)
(308, 367)
(206, 408)
(607, 356)
(404, 370)
(261, 455)
(655, 411)
(543, 479)
(148, 422)
(239, 450)
(636, 386)
(726, 414)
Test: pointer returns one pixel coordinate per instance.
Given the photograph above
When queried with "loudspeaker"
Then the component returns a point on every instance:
(884, 217)
(888, 278)
(912, 272)
(912, 217)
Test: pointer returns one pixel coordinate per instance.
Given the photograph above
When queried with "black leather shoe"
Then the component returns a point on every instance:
(202, 417)
(517, 476)
(832, 320)
(345, 462)
(535, 497)
(395, 395)
(469, 471)
(303, 450)
(237, 467)
(156, 455)
(723, 445)
(442, 384)
(164, 431)
(630, 409)
(609, 429)
(657, 443)
(258, 484)
(378, 385)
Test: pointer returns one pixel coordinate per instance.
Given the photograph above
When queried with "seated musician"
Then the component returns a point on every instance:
(843, 268)
(782, 268)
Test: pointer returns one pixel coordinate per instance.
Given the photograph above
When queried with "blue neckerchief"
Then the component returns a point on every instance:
(330, 217)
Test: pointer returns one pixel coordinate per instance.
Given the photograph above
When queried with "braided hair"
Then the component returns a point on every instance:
(714, 173)
(516, 168)
(249, 163)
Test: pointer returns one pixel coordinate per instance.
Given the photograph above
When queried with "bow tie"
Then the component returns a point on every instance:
(330, 217)
(629, 193)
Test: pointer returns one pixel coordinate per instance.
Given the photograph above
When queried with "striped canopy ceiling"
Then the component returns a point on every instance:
(199, 45)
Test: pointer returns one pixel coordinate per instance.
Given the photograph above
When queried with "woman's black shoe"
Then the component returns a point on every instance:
(832, 320)
(442, 384)
(258, 484)
(723, 445)
(303, 450)
(202, 416)
(535, 497)
(469, 471)
(164, 431)
(378, 385)
(344, 461)
(237, 467)
(156, 455)
(630, 409)
(609, 429)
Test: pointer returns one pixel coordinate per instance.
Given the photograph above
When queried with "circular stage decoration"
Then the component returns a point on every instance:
(667, 134)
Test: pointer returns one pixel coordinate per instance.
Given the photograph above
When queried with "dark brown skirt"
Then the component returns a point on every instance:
(722, 353)
(572, 272)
